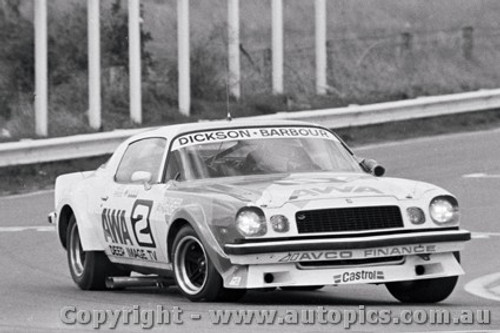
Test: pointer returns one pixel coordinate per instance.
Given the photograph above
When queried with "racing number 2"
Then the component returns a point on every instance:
(141, 224)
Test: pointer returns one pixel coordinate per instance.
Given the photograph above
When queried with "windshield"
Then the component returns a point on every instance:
(229, 153)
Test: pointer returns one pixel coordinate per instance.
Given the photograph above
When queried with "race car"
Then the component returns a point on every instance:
(222, 207)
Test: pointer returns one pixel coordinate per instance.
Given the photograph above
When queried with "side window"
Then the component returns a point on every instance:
(142, 155)
(174, 167)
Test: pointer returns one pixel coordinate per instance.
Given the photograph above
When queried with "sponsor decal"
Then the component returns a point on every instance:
(318, 191)
(358, 254)
(141, 254)
(119, 191)
(235, 281)
(117, 251)
(398, 251)
(132, 252)
(363, 275)
(122, 241)
(140, 223)
(171, 204)
(131, 193)
(317, 255)
(115, 227)
(257, 133)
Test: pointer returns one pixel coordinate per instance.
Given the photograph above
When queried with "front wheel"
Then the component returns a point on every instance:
(89, 269)
(423, 291)
(195, 274)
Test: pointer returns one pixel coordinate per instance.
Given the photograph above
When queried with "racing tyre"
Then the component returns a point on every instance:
(195, 274)
(423, 291)
(89, 269)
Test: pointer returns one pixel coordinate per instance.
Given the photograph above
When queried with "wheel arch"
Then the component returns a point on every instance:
(63, 223)
(89, 236)
(174, 229)
(195, 216)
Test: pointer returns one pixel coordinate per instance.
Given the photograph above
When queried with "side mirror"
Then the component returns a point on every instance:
(142, 177)
(371, 166)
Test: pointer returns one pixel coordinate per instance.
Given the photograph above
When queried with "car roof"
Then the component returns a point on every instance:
(172, 131)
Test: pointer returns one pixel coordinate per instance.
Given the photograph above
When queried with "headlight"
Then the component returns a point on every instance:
(251, 221)
(416, 215)
(280, 223)
(444, 210)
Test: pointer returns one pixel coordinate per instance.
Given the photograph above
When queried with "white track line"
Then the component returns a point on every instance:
(480, 175)
(482, 235)
(26, 195)
(468, 331)
(426, 139)
(35, 228)
(480, 286)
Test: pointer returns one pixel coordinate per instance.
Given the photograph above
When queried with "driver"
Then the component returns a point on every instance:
(279, 156)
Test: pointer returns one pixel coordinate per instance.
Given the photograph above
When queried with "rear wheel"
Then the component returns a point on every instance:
(89, 269)
(195, 274)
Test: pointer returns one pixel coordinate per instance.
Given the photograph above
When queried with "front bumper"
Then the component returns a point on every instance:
(332, 261)
(350, 243)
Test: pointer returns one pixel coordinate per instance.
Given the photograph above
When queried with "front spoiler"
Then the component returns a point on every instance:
(351, 243)
(415, 267)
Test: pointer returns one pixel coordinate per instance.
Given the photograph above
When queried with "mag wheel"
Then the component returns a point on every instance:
(89, 269)
(195, 274)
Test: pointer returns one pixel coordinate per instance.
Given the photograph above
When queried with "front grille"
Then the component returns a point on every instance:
(348, 219)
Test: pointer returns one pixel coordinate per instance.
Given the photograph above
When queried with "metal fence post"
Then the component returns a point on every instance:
(41, 68)
(320, 40)
(234, 48)
(183, 56)
(94, 42)
(134, 42)
(277, 41)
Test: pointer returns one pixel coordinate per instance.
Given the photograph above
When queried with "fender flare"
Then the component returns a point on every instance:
(195, 217)
(89, 236)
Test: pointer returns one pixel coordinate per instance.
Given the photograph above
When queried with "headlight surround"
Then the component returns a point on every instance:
(416, 215)
(444, 210)
(251, 222)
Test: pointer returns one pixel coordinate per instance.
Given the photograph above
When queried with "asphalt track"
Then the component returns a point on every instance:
(35, 283)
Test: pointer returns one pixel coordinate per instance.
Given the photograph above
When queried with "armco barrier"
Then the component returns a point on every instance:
(87, 145)
(63, 148)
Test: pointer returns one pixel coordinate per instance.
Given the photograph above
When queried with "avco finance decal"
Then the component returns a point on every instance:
(356, 254)
(358, 276)
(398, 251)
(318, 255)
(115, 226)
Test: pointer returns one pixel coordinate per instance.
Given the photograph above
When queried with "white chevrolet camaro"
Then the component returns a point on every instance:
(223, 207)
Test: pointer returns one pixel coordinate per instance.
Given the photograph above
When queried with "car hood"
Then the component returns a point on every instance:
(276, 190)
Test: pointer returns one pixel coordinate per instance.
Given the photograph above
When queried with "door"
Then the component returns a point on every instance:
(129, 223)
